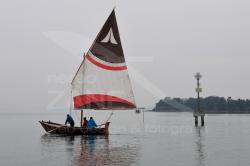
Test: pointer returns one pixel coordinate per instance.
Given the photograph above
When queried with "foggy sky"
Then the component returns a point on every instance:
(165, 43)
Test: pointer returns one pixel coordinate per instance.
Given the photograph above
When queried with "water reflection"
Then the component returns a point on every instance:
(91, 150)
(200, 147)
(57, 150)
(88, 150)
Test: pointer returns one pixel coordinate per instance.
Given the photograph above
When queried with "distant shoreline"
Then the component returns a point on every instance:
(210, 112)
(210, 105)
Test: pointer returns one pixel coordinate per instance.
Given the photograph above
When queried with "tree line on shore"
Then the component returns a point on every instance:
(211, 104)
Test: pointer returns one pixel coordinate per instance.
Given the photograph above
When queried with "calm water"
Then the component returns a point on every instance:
(163, 139)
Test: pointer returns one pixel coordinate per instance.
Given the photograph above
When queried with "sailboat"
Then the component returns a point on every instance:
(101, 82)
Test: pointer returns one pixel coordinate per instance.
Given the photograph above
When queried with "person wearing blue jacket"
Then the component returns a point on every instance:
(91, 123)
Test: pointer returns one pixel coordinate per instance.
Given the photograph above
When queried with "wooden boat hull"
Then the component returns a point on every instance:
(56, 128)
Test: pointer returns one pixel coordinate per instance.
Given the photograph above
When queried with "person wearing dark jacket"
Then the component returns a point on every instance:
(70, 121)
(85, 123)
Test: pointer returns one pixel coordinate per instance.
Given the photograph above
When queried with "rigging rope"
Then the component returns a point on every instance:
(111, 114)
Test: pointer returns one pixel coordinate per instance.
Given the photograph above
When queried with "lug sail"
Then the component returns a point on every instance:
(102, 80)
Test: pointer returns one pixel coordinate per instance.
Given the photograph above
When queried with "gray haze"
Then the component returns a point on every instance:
(165, 43)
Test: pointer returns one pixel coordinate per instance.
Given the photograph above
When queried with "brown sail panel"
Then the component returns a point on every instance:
(107, 46)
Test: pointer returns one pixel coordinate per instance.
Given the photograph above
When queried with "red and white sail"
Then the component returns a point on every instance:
(102, 81)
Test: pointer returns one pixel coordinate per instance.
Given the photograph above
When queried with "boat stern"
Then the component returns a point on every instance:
(107, 128)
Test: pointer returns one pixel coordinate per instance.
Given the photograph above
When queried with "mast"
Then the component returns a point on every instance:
(81, 117)
(82, 90)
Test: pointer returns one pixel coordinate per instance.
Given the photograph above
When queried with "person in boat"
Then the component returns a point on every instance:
(91, 123)
(85, 123)
(70, 120)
